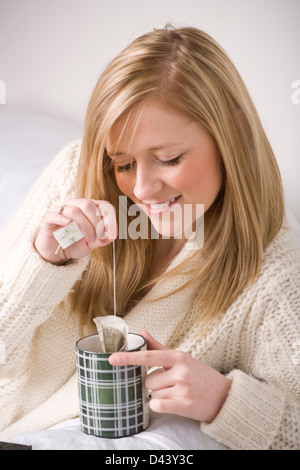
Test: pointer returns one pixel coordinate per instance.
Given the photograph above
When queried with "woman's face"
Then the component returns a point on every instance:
(172, 162)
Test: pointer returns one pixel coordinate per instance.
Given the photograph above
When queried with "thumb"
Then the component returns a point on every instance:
(152, 344)
(107, 227)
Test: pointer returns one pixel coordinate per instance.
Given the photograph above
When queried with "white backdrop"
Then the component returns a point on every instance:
(52, 52)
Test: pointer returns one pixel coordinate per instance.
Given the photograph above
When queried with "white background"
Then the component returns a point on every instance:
(53, 51)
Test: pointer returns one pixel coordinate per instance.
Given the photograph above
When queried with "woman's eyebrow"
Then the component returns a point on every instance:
(116, 154)
(165, 146)
(150, 149)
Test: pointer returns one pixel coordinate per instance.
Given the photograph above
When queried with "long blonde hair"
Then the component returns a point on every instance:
(188, 70)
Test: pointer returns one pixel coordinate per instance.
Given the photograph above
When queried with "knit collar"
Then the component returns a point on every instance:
(161, 317)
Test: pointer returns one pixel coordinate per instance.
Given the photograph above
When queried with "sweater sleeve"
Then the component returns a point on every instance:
(262, 410)
(31, 288)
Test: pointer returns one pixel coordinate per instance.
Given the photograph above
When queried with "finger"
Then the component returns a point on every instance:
(105, 231)
(101, 214)
(160, 379)
(53, 220)
(151, 342)
(87, 207)
(162, 394)
(167, 405)
(84, 223)
(144, 358)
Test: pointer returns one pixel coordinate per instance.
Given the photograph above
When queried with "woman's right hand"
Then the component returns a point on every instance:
(95, 219)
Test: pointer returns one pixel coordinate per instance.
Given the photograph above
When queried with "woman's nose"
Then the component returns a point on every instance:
(147, 183)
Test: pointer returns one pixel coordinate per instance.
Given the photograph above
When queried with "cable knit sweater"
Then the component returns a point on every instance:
(255, 342)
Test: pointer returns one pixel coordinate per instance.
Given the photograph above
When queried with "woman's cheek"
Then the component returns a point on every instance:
(123, 184)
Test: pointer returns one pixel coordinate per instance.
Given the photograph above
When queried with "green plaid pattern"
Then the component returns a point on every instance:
(110, 397)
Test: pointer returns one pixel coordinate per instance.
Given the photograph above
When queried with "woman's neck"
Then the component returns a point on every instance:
(165, 251)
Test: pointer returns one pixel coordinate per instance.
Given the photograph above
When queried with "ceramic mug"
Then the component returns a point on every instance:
(112, 399)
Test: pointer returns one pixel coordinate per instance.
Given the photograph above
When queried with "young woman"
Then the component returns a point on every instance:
(170, 126)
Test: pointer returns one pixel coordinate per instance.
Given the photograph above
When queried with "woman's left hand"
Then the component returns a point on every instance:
(185, 386)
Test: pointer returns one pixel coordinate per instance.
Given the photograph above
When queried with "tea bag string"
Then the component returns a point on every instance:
(114, 268)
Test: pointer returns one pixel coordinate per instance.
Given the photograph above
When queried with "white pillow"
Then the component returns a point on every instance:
(165, 432)
(28, 141)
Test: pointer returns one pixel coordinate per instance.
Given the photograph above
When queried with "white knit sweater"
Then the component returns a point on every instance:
(256, 341)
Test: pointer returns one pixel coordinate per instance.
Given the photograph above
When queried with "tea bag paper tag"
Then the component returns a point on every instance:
(113, 333)
(68, 235)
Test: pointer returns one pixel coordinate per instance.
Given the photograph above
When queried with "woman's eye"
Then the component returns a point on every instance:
(126, 167)
(175, 161)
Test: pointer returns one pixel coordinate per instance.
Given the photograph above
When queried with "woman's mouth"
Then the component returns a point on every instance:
(161, 207)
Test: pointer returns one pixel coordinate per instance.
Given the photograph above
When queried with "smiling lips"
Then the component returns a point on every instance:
(163, 207)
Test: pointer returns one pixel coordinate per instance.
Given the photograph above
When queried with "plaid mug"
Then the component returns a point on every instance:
(112, 399)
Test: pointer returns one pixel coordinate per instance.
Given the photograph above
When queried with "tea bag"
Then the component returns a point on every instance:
(113, 332)
(67, 235)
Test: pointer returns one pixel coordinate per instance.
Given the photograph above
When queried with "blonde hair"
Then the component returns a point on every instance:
(187, 69)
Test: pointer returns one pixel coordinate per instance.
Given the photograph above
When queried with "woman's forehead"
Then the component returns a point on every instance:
(158, 125)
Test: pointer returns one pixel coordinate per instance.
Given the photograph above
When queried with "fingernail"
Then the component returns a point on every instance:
(100, 230)
(65, 220)
(114, 360)
(111, 234)
(92, 238)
